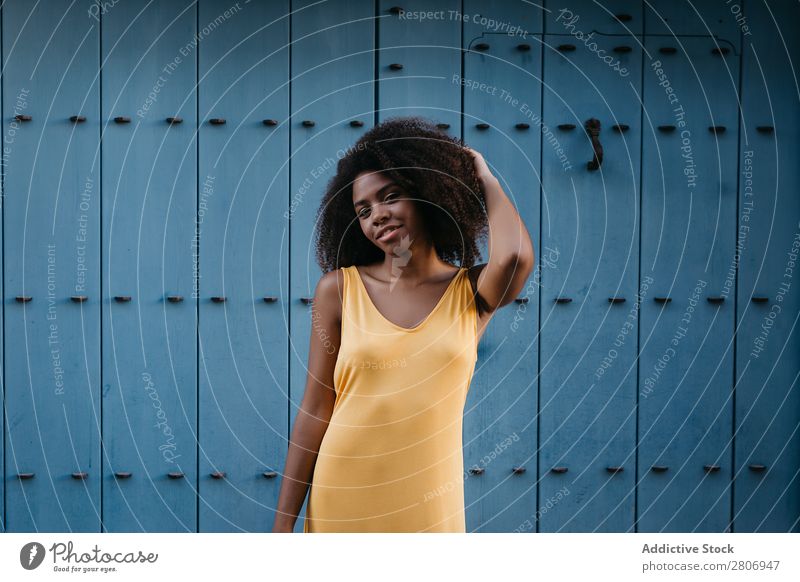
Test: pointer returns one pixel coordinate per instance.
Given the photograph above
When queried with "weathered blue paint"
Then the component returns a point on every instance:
(767, 397)
(51, 236)
(502, 87)
(243, 179)
(149, 194)
(587, 401)
(688, 223)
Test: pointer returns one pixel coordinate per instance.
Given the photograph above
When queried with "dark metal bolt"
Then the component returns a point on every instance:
(217, 121)
(122, 119)
(77, 119)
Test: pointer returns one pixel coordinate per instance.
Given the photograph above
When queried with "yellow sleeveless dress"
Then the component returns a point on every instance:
(391, 459)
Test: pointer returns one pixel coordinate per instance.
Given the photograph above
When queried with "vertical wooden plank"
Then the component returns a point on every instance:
(590, 298)
(149, 191)
(768, 342)
(330, 88)
(52, 251)
(243, 180)
(425, 40)
(501, 86)
(688, 225)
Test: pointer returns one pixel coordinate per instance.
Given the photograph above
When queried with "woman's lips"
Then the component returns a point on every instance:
(389, 234)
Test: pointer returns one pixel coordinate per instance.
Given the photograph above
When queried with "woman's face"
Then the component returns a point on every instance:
(381, 205)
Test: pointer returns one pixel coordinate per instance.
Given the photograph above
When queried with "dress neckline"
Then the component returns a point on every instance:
(450, 286)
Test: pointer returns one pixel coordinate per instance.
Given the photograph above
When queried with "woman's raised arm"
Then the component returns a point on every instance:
(511, 255)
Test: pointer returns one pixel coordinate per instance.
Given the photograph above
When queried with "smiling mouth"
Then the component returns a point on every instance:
(388, 232)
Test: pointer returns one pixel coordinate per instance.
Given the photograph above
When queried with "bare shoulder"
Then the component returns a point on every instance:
(328, 295)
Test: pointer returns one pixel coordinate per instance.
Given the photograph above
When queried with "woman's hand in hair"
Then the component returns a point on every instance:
(481, 167)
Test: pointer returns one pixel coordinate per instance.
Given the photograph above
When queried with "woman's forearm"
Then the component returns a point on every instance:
(509, 240)
(309, 428)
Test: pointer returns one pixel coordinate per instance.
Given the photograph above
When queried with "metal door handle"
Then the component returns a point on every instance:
(593, 129)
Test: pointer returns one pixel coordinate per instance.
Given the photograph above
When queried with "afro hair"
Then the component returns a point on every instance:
(432, 166)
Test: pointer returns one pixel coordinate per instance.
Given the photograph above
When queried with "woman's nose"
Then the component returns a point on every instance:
(380, 212)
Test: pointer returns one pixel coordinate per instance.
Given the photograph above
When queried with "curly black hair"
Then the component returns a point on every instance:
(432, 166)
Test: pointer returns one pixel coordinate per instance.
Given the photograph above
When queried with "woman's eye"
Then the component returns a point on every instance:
(390, 197)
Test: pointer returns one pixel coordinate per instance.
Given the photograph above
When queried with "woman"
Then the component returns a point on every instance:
(395, 332)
